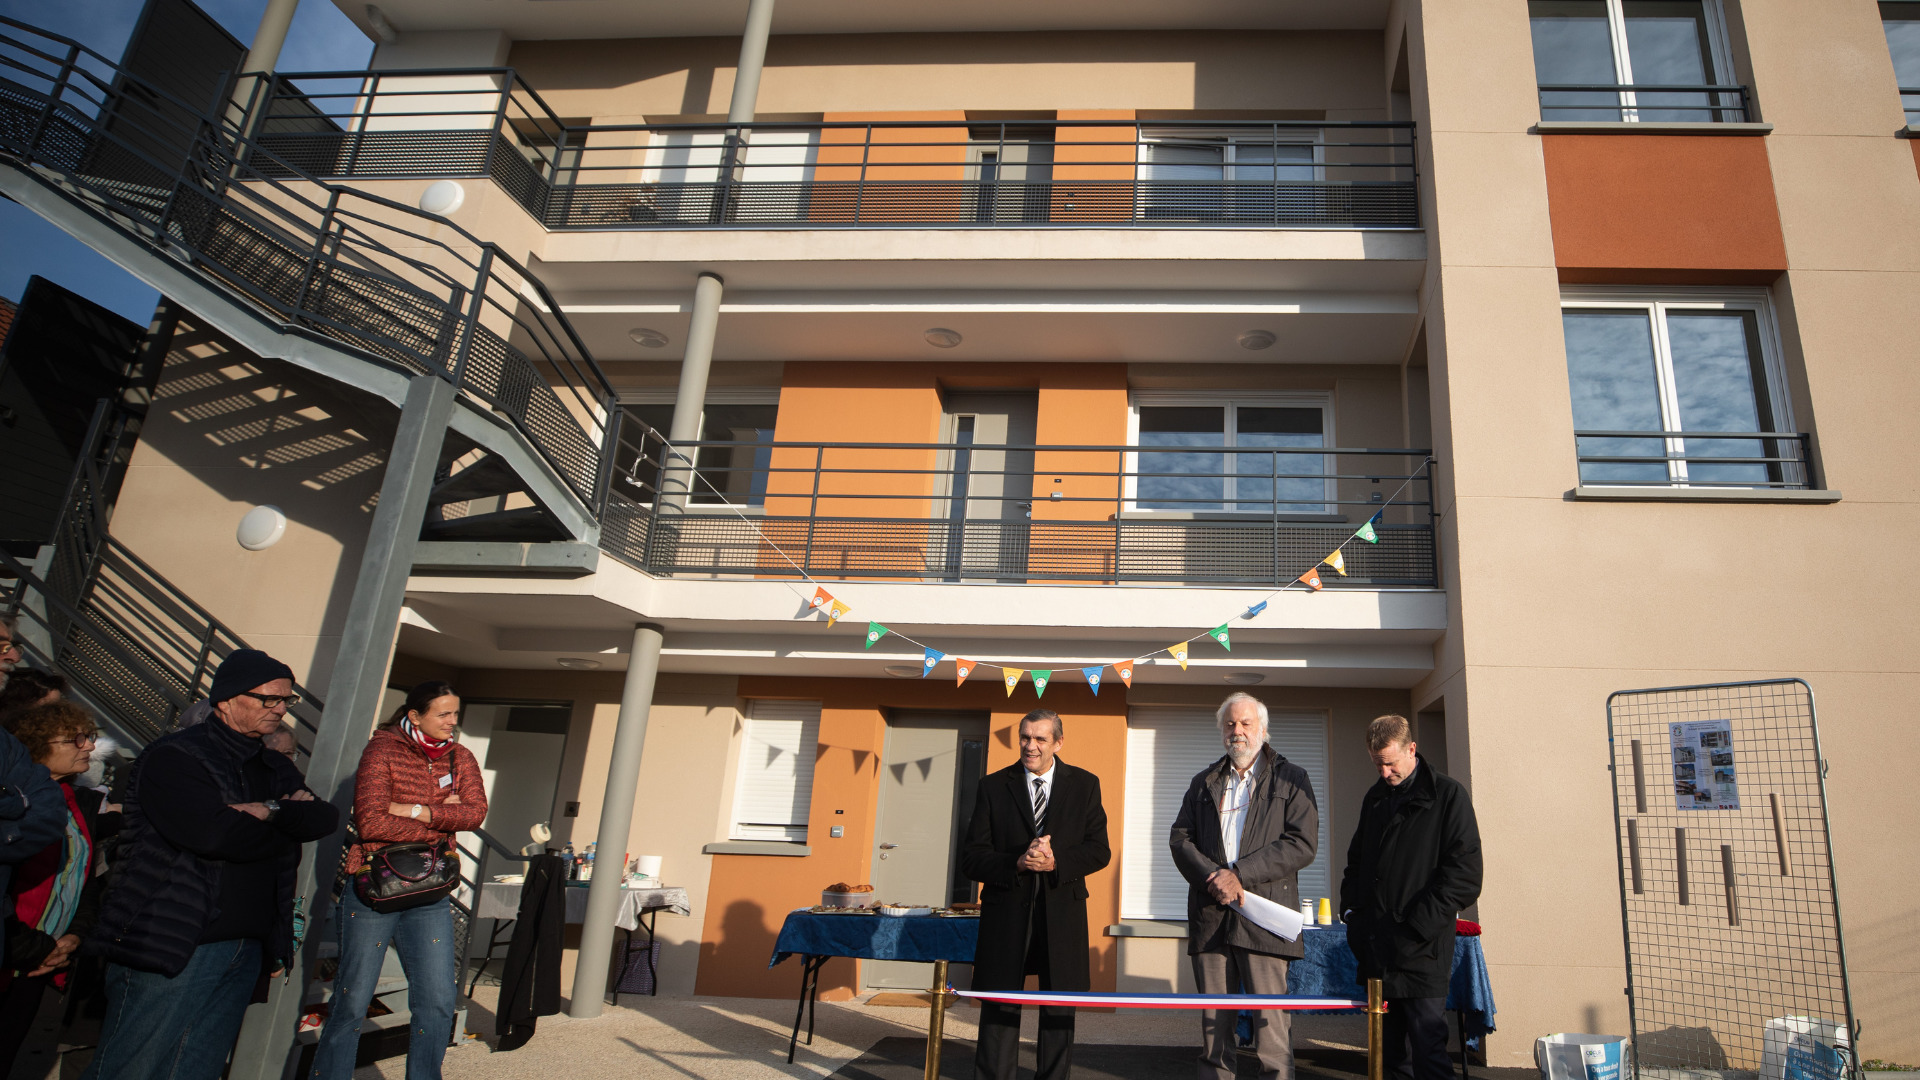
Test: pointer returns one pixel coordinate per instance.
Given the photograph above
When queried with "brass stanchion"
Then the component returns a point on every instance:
(1376, 1008)
(937, 1021)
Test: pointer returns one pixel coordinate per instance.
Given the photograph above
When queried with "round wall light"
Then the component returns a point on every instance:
(1255, 340)
(648, 338)
(942, 338)
(1245, 678)
(904, 671)
(442, 197)
(261, 527)
(577, 663)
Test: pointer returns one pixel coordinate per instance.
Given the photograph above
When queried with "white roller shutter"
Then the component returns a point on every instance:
(775, 783)
(1166, 747)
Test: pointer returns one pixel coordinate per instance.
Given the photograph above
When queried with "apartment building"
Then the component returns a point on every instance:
(573, 347)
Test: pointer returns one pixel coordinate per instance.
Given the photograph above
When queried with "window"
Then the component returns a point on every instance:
(735, 473)
(1012, 167)
(773, 176)
(1659, 375)
(774, 786)
(1901, 20)
(1236, 455)
(1166, 748)
(1627, 43)
(1215, 176)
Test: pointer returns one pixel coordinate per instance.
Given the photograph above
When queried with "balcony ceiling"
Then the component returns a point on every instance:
(529, 20)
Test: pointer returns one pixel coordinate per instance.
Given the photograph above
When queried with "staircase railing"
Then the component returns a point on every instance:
(384, 281)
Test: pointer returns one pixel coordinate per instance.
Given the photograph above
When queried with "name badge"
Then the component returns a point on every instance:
(447, 780)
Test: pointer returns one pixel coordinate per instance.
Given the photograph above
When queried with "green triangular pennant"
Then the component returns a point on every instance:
(1040, 681)
(1219, 634)
(1365, 532)
(874, 633)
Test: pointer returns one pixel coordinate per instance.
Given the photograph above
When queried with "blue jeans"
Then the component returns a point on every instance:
(424, 937)
(181, 1028)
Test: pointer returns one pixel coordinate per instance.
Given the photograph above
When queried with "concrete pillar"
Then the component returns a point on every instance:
(353, 696)
(616, 819)
(753, 57)
(691, 396)
(264, 54)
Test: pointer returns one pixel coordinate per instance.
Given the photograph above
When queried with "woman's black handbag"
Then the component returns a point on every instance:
(406, 875)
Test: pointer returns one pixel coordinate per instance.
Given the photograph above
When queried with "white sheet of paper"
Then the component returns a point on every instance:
(1274, 918)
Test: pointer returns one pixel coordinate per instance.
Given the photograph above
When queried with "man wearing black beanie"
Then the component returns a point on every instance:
(200, 912)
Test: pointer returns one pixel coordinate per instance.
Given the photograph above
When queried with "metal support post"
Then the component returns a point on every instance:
(937, 1021)
(616, 822)
(691, 397)
(353, 695)
(1376, 1035)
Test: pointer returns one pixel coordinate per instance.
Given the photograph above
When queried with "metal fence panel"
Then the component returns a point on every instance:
(1730, 910)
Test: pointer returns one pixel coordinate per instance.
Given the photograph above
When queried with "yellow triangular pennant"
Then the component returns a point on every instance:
(1337, 561)
(1011, 676)
(1180, 653)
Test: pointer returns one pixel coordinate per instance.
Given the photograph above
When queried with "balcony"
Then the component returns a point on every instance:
(1643, 103)
(1043, 173)
(953, 512)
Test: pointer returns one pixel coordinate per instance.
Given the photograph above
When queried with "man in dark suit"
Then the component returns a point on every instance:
(1413, 865)
(1038, 830)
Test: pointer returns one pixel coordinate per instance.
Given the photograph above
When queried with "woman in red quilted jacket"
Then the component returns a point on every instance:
(414, 785)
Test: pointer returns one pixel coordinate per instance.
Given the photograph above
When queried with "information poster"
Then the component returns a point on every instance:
(1703, 770)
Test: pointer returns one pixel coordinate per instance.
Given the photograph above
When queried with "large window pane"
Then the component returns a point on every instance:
(1573, 45)
(1182, 180)
(1190, 480)
(1615, 384)
(1301, 477)
(1719, 385)
(1902, 24)
(1667, 46)
(740, 471)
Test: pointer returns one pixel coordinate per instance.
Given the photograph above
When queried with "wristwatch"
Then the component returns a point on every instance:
(273, 808)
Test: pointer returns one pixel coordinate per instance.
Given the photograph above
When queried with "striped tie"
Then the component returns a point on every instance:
(1039, 807)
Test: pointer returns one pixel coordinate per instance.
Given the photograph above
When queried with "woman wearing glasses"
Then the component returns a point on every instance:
(415, 785)
(55, 898)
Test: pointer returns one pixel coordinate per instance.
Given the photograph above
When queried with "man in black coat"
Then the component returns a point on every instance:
(1038, 830)
(1248, 823)
(1413, 865)
(199, 913)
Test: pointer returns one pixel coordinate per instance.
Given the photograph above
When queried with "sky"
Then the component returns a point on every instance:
(321, 39)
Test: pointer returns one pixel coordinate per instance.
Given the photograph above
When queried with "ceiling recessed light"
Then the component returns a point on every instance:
(1245, 678)
(904, 671)
(1256, 340)
(647, 338)
(577, 663)
(942, 338)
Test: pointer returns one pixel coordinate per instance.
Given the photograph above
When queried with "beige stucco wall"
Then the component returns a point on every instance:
(1558, 603)
(1334, 71)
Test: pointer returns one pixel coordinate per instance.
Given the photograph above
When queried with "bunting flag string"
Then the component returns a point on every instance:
(837, 609)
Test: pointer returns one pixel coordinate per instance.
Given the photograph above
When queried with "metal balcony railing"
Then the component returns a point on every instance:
(486, 122)
(376, 278)
(1700, 459)
(1644, 103)
(1910, 101)
(1029, 513)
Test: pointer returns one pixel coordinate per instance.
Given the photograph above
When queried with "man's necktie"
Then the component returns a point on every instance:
(1039, 807)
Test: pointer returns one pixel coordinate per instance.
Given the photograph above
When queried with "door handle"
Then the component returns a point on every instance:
(888, 847)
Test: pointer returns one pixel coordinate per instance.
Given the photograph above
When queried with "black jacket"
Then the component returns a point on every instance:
(179, 836)
(33, 813)
(1411, 868)
(27, 946)
(530, 985)
(1277, 839)
(998, 834)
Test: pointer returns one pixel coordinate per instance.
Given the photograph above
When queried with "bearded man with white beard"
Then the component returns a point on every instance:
(1248, 823)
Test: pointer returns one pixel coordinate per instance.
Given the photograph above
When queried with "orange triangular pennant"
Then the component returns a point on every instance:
(1312, 578)
(962, 668)
(1124, 669)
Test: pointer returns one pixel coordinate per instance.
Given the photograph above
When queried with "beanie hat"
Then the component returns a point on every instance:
(244, 669)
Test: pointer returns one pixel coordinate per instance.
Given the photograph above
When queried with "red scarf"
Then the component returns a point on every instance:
(435, 749)
(33, 881)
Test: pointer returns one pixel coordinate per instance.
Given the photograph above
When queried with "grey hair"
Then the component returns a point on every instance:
(1039, 715)
(1235, 698)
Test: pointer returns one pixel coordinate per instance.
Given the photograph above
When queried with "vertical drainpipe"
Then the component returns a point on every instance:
(629, 737)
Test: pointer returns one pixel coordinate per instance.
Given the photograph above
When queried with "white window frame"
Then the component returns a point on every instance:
(1657, 303)
(763, 711)
(1231, 400)
(1144, 848)
(1230, 138)
(1717, 50)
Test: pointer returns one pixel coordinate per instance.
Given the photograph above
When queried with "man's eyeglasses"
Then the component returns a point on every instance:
(91, 738)
(270, 700)
(7, 645)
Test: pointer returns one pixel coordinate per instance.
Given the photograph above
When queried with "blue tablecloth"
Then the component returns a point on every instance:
(1329, 969)
(877, 937)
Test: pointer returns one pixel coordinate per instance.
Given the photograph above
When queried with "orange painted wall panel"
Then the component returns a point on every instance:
(1092, 176)
(1675, 209)
(907, 173)
(749, 896)
(1087, 410)
(1915, 145)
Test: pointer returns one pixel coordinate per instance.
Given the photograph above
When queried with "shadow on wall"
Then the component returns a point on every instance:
(746, 944)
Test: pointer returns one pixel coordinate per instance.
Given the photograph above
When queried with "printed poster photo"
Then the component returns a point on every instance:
(1708, 743)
